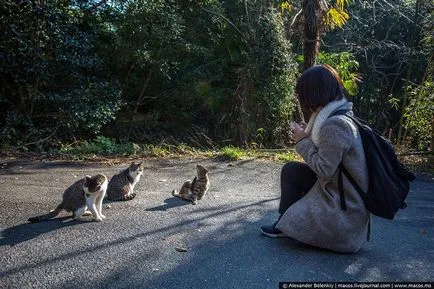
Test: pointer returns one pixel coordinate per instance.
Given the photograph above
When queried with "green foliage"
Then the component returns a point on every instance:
(51, 74)
(347, 66)
(90, 107)
(100, 146)
(336, 17)
(233, 153)
(152, 70)
(386, 42)
(419, 114)
(287, 157)
(276, 80)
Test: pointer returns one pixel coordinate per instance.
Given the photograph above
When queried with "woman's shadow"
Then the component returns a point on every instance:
(24, 232)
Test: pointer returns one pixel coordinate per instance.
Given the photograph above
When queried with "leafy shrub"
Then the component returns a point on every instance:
(101, 146)
(50, 73)
(419, 114)
(233, 153)
(276, 79)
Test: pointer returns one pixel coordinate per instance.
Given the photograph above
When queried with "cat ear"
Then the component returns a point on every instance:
(203, 168)
(88, 178)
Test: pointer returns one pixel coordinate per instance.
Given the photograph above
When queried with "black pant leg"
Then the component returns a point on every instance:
(296, 179)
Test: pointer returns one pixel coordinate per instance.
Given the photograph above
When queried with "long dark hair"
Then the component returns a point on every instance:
(318, 86)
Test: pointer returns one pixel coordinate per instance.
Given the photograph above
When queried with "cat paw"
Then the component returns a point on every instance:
(97, 219)
(103, 216)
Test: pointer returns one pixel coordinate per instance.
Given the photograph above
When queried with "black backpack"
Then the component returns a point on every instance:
(388, 177)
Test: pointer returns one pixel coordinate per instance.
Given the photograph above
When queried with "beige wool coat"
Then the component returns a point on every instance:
(317, 219)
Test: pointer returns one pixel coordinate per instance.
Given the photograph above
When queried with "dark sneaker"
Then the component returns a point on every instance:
(272, 231)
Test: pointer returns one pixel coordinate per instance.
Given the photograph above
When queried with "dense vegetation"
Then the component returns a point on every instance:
(206, 73)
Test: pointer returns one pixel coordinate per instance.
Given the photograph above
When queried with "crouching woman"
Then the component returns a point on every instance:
(311, 208)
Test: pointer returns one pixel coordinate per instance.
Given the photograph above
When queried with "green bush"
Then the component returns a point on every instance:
(276, 78)
(233, 153)
(101, 146)
(51, 75)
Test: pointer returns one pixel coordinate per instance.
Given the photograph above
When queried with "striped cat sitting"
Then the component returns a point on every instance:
(194, 190)
(121, 185)
(87, 193)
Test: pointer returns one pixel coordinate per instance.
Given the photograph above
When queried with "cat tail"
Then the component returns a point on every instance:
(48, 216)
(184, 197)
(122, 198)
(175, 194)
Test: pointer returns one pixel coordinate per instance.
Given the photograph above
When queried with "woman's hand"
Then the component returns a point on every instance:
(298, 132)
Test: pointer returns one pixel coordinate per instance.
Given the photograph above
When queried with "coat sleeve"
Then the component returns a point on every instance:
(335, 138)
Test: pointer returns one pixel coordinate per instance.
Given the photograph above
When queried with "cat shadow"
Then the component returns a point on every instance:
(27, 231)
(170, 203)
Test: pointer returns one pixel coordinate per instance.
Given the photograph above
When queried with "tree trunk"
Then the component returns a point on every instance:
(311, 32)
(310, 36)
(299, 114)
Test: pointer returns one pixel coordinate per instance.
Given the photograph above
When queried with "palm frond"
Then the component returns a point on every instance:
(336, 17)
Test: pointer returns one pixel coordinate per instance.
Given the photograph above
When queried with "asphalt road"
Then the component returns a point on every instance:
(135, 247)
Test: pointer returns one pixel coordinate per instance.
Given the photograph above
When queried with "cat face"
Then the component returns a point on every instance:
(136, 169)
(201, 170)
(94, 184)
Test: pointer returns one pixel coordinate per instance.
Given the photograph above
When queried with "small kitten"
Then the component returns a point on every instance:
(121, 185)
(194, 190)
(85, 193)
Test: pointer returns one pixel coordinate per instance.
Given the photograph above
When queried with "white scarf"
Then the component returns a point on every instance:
(318, 118)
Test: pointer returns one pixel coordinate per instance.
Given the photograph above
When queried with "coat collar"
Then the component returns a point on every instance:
(317, 119)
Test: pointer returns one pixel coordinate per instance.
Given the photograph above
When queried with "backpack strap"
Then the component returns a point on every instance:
(351, 179)
(341, 167)
(342, 196)
(353, 182)
(340, 180)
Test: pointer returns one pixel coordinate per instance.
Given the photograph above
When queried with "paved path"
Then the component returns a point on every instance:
(135, 246)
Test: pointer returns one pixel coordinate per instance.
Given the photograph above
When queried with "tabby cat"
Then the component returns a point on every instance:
(194, 190)
(121, 185)
(86, 193)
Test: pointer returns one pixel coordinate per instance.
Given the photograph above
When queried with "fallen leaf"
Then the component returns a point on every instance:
(108, 206)
(181, 249)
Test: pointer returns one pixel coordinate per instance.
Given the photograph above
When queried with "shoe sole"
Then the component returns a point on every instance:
(281, 235)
